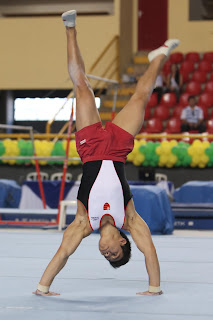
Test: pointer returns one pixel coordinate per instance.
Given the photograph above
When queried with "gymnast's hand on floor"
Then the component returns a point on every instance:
(40, 293)
(147, 293)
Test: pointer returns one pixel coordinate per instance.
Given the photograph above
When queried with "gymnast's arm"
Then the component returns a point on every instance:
(72, 238)
(141, 235)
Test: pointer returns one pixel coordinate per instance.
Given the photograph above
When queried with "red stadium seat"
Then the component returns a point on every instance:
(176, 57)
(185, 76)
(211, 77)
(199, 76)
(187, 66)
(209, 126)
(192, 56)
(193, 88)
(205, 112)
(161, 112)
(154, 125)
(184, 99)
(167, 67)
(169, 99)
(206, 99)
(177, 111)
(173, 125)
(147, 114)
(153, 100)
(205, 66)
(208, 56)
(209, 87)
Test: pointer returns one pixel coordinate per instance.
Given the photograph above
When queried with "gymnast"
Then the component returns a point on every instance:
(104, 198)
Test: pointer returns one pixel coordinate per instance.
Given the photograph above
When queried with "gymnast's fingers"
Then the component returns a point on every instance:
(39, 293)
(147, 293)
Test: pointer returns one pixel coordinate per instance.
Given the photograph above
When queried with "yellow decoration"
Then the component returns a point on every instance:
(158, 150)
(43, 148)
(72, 152)
(138, 159)
(130, 157)
(191, 151)
(11, 150)
(196, 143)
(173, 143)
(164, 151)
(197, 152)
(206, 144)
(167, 158)
(142, 142)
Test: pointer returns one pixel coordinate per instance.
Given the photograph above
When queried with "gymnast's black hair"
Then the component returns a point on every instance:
(126, 253)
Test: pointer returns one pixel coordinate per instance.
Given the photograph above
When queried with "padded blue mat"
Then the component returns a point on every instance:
(91, 289)
(195, 191)
(10, 194)
(153, 205)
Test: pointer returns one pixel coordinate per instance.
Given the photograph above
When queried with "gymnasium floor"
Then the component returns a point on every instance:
(91, 289)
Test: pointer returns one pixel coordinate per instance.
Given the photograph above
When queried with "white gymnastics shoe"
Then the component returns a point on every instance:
(168, 46)
(69, 18)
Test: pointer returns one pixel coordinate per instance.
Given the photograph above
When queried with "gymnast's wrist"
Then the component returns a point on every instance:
(154, 289)
(44, 289)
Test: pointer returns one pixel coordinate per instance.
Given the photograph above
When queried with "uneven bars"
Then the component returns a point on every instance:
(10, 126)
(40, 184)
(30, 129)
(61, 195)
(114, 103)
(38, 158)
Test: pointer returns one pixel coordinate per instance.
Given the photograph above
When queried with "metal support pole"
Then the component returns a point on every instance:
(40, 184)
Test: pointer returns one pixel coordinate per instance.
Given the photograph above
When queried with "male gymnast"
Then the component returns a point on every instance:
(104, 197)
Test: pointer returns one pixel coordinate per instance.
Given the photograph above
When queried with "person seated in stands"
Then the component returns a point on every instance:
(159, 85)
(192, 117)
(174, 81)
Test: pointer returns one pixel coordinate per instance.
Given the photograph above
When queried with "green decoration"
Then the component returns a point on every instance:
(22, 145)
(58, 150)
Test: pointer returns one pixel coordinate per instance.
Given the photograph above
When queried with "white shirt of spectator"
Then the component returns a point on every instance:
(174, 83)
(192, 115)
(159, 81)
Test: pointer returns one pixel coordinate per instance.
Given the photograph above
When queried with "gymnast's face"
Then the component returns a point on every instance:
(111, 249)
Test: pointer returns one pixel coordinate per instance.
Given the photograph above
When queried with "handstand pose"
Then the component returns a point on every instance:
(104, 198)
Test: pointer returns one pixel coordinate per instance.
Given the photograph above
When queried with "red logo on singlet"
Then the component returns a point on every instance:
(106, 206)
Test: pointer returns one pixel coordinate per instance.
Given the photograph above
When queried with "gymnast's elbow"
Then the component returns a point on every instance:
(78, 228)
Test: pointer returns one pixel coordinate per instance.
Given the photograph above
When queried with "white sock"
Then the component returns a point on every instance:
(69, 18)
(168, 46)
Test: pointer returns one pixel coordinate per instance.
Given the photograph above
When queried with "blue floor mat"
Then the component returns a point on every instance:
(91, 289)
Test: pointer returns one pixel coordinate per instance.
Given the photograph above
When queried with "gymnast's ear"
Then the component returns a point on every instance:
(123, 242)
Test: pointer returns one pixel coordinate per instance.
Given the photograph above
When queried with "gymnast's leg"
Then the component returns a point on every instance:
(131, 117)
(86, 111)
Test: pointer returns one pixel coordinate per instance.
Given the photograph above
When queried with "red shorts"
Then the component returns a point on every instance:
(96, 143)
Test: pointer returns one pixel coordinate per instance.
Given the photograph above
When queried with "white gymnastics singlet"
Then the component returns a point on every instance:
(104, 190)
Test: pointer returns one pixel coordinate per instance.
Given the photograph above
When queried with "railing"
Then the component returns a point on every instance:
(114, 72)
(30, 129)
(115, 60)
(105, 80)
(44, 136)
(50, 122)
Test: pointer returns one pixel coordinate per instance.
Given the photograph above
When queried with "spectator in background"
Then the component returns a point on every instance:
(159, 86)
(192, 117)
(174, 81)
